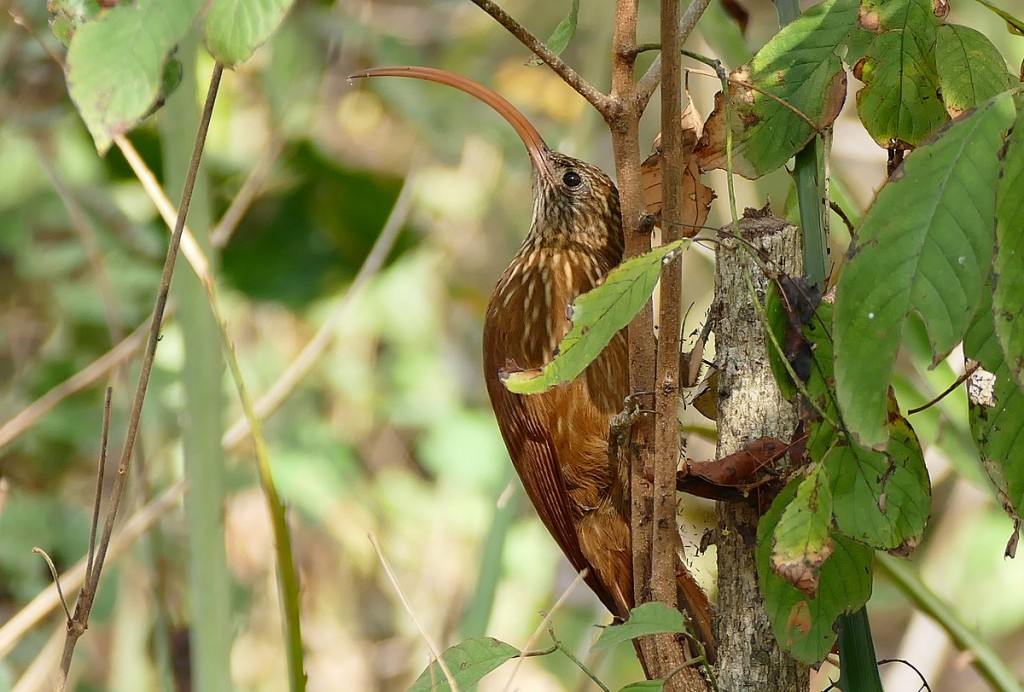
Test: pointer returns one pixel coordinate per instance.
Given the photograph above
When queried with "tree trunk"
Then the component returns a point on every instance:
(749, 406)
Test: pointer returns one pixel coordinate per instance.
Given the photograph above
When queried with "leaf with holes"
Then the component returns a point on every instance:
(900, 101)
(996, 406)
(596, 317)
(924, 245)
(917, 16)
(882, 499)
(234, 29)
(802, 73)
(805, 626)
(650, 618)
(801, 543)
(468, 662)
(116, 63)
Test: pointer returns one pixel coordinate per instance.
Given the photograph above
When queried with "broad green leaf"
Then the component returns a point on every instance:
(468, 662)
(971, 70)
(801, 542)
(996, 407)
(596, 317)
(650, 618)
(800, 67)
(645, 686)
(882, 499)
(235, 28)
(900, 100)
(1013, 25)
(1008, 268)
(775, 327)
(563, 33)
(925, 245)
(885, 15)
(116, 63)
(804, 626)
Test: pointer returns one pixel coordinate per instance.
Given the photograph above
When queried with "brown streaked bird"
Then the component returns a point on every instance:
(558, 440)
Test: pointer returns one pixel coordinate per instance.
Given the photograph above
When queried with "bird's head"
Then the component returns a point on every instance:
(574, 202)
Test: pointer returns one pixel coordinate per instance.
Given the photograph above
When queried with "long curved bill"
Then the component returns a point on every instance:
(535, 145)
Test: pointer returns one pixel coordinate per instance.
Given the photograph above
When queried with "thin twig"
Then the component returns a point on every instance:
(88, 593)
(300, 366)
(100, 367)
(649, 82)
(753, 87)
(600, 101)
(56, 581)
(908, 664)
(100, 473)
(834, 206)
(544, 622)
(171, 216)
(12, 631)
(579, 664)
(947, 391)
(434, 651)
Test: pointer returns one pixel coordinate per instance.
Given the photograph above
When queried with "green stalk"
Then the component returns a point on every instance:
(202, 376)
(858, 665)
(986, 661)
(478, 612)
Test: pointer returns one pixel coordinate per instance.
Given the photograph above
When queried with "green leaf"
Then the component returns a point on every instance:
(650, 618)
(885, 15)
(775, 326)
(804, 626)
(996, 408)
(900, 100)
(235, 28)
(562, 34)
(971, 69)
(468, 662)
(1013, 25)
(1008, 267)
(596, 317)
(67, 15)
(800, 68)
(882, 499)
(924, 245)
(113, 77)
(801, 542)
(645, 686)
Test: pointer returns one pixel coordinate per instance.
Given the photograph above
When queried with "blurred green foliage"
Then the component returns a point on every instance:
(391, 432)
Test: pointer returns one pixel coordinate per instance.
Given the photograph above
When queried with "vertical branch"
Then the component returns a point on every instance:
(750, 405)
(640, 332)
(661, 655)
(202, 377)
(666, 393)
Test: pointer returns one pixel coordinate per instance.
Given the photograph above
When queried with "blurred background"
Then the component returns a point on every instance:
(390, 433)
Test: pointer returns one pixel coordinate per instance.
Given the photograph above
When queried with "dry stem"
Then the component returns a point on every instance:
(88, 592)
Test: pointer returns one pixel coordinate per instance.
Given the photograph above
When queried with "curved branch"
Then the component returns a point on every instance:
(599, 100)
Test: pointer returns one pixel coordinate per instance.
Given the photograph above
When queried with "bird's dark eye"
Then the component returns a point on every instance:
(572, 179)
